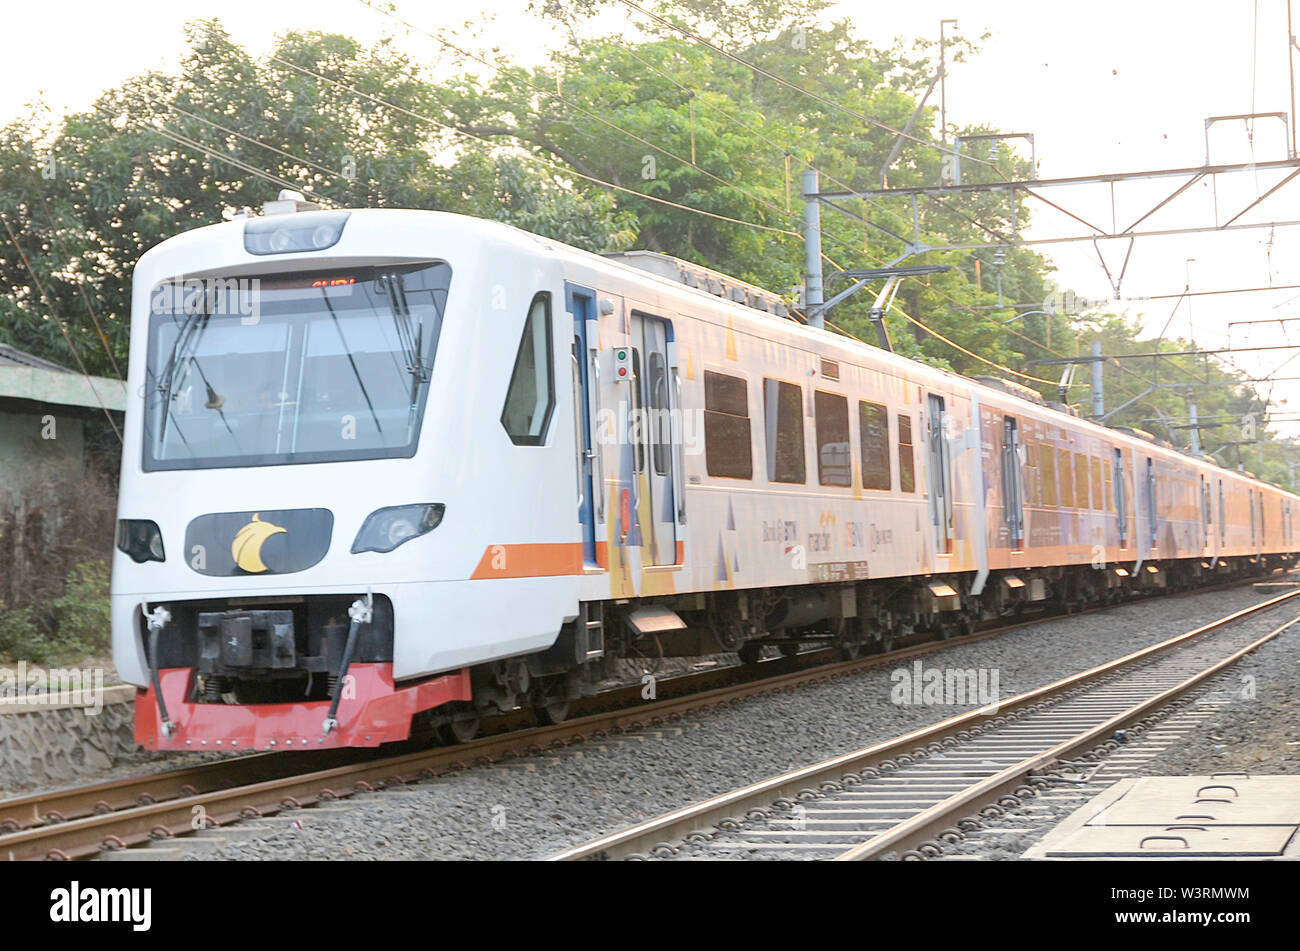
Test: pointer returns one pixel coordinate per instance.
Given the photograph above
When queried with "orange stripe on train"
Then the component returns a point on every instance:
(539, 560)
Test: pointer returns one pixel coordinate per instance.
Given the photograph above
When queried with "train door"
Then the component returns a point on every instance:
(1251, 505)
(1263, 531)
(1205, 513)
(1223, 521)
(1149, 488)
(1012, 494)
(657, 433)
(940, 474)
(581, 305)
(1121, 499)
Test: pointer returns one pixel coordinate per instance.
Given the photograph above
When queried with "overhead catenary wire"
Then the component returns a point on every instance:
(212, 152)
(392, 14)
(786, 151)
(252, 141)
(85, 297)
(567, 170)
(464, 134)
(396, 17)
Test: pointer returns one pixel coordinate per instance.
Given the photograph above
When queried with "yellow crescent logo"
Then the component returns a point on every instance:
(247, 547)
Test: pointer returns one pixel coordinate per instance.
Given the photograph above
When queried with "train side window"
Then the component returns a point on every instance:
(1107, 493)
(873, 434)
(530, 398)
(1033, 480)
(661, 440)
(906, 455)
(834, 451)
(1080, 480)
(1047, 472)
(727, 450)
(637, 422)
(1066, 474)
(783, 419)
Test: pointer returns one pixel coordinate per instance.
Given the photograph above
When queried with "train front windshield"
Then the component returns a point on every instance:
(291, 369)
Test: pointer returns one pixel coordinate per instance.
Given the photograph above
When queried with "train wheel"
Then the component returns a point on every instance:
(750, 653)
(848, 637)
(462, 727)
(789, 650)
(549, 714)
(462, 731)
(647, 652)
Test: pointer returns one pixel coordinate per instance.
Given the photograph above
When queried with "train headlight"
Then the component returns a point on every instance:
(384, 529)
(305, 231)
(141, 539)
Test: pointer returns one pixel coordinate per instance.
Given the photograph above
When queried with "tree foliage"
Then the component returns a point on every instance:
(611, 143)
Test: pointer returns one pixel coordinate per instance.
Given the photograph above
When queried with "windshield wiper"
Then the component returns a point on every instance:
(409, 336)
(191, 331)
(188, 329)
(351, 360)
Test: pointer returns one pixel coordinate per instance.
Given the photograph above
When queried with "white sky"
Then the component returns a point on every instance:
(1107, 86)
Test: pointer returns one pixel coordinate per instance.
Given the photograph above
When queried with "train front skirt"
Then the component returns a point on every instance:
(374, 711)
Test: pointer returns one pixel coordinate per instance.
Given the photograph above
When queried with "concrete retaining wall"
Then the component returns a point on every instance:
(64, 740)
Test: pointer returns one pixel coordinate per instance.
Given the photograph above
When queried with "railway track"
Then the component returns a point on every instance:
(908, 795)
(81, 822)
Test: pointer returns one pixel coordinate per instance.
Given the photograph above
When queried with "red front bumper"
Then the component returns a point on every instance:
(374, 712)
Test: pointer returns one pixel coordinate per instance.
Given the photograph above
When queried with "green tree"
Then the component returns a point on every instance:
(689, 139)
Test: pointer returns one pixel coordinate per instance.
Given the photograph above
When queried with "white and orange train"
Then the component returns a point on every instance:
(383, 465)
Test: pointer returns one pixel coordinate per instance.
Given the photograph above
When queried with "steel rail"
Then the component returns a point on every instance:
(676, 825)
(172, 812)
(931, 821)
(60, 805)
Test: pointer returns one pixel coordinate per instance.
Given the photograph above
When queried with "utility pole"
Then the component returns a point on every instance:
(1290, 67)
(943, 91)
(812, 243)
(1098, 397)
(1192, 420)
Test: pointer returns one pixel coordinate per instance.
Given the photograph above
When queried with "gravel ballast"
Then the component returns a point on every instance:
(1251, 728)
(535, 806)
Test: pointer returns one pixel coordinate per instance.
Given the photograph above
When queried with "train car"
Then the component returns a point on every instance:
(389, 467)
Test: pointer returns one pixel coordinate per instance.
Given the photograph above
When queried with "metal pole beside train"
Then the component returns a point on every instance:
(1098, 396)
(812, 243)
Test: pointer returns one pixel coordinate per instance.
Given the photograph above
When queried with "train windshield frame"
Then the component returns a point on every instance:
(291, 368)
